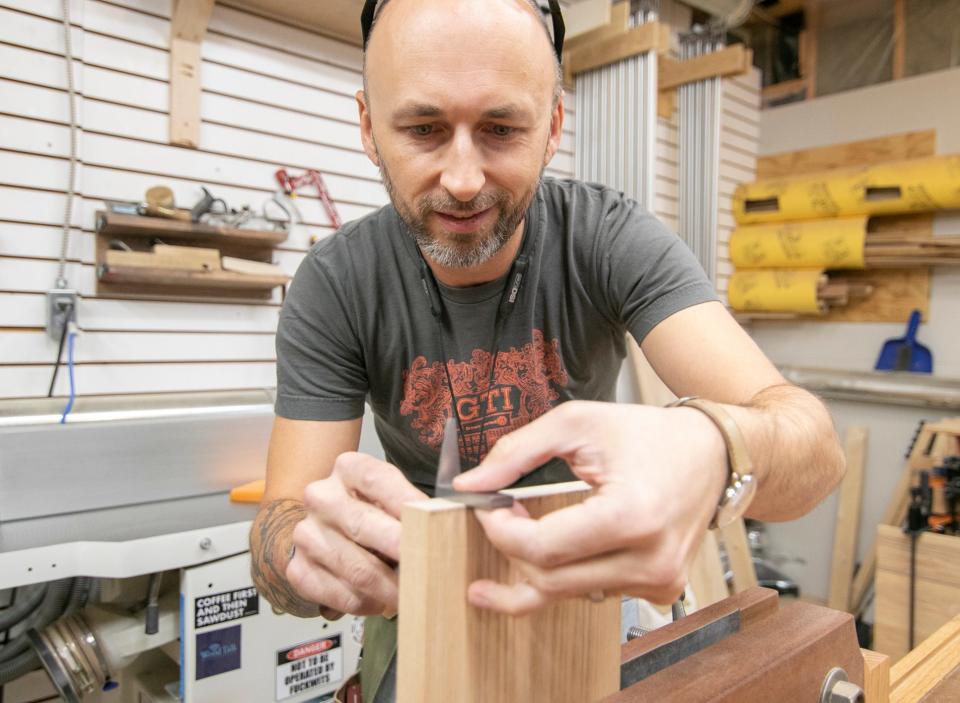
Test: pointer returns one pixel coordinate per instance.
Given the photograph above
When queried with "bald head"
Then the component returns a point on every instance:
(457, 25)
(467, 115)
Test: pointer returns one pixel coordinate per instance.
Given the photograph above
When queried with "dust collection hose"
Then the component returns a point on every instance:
(58, 598)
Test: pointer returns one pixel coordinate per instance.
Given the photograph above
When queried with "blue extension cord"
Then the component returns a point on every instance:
(73, 391)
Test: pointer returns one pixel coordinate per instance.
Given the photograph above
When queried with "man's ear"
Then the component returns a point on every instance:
(556, 131)
(366, 129)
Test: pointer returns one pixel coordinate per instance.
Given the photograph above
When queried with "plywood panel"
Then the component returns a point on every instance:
(937, 587)
(449, 651)
(908, 145)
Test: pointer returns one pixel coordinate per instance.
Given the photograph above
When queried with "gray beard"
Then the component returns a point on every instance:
(466, 251)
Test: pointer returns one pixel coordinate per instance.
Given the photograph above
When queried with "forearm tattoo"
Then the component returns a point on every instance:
(270, 550)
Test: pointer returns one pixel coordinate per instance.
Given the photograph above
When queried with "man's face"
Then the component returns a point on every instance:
(460, 119)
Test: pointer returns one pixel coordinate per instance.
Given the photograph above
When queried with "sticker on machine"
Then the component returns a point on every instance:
(308, 665)
(224, 607)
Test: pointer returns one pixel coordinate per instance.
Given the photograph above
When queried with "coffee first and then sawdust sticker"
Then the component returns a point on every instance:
(224, 607)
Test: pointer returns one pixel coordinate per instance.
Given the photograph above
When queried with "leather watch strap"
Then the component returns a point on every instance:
(740, 463)
(740, 487)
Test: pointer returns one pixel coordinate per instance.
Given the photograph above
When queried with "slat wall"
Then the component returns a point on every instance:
(273, 96)
(739, 139)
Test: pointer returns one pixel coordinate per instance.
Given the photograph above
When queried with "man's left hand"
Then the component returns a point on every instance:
(658, 475)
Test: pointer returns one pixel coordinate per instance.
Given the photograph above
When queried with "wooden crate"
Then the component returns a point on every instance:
(937, 587)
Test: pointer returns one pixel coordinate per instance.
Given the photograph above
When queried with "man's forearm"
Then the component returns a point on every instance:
(794, 449)
(271, 539)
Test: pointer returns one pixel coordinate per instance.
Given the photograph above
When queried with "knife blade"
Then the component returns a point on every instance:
(449, 468)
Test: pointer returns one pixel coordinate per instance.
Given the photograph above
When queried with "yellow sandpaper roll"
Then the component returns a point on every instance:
(917, 185)
(775, 290)
(834, 243)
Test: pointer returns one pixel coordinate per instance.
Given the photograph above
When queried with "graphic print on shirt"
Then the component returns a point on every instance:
(525, 385)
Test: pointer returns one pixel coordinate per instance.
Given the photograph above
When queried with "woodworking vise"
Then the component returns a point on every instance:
(746, 649)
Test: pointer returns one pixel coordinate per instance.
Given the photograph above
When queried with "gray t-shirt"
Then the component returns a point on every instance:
(357, 325)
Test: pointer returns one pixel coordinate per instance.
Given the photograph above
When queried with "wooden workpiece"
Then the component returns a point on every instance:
(451, 651)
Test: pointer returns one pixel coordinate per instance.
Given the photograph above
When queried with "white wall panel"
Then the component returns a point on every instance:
(31, 347)
(103, 379)
(28, 310)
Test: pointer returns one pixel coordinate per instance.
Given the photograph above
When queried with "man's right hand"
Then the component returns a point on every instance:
(350, 533)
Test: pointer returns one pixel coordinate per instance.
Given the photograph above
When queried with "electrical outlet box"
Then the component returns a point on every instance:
(61, 307)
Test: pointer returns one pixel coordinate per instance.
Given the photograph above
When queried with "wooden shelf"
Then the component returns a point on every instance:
(117, 225)
(152, 283)
(189, 279)
(149, 282)
(335, 18)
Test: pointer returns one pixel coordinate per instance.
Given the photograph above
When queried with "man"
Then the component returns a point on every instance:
(486, 290)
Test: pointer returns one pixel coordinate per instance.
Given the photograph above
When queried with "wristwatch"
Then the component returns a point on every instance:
(741, 486)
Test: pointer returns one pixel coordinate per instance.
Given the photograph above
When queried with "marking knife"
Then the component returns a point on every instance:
(449, 468)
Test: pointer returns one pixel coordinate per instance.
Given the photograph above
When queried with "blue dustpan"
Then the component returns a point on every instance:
(905, 353)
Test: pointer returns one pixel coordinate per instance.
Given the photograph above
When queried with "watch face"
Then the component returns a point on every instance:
(736, 498)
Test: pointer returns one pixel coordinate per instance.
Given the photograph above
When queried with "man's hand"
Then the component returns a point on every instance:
(659, 474)
(347, 546)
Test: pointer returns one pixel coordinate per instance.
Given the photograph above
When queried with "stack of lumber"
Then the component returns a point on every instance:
(897, 249)
(835, 291)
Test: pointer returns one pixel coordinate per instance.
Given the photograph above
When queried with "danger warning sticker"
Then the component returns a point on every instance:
(224, 607)
(308, 665)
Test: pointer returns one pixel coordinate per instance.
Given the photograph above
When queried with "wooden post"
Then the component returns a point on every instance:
(734, 538)
(899, 38)
(705, 576)
(848, 520)
(808, 68)
(450, 651)
(187, 28)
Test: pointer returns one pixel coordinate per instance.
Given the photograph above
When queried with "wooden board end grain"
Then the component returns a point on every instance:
(876, 677)
(450, 651)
